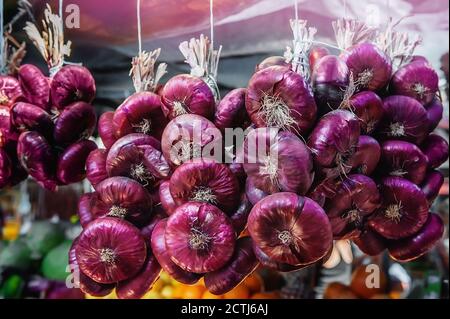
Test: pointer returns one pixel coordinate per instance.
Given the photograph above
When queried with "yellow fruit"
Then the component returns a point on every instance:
(152, 294)
(208, 295)
(266, 295)
(239, 292)
(178, 291)
(165, 278)
(254, 283)
(158, 285)
(11, 230)
(167, 292)
(193, 292)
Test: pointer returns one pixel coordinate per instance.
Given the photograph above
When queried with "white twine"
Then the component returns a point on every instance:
(211, 22)
(2, 40)
(296, 9)
(345, 9)
(138, 13)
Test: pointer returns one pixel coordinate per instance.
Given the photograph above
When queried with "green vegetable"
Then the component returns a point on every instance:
(12, 287)
(43, 236)
(55, 262)
(16, 255)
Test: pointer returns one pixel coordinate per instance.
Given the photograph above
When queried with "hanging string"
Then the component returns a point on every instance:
(211, 22)
(345, 9)
(296, 9)
(138, 13)
(2, 40)
(61, 14)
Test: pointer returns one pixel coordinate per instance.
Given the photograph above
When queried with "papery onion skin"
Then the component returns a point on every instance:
(10, 90)
(166, 198)
(140, 113)
(271, 61)
(96, 166)
(417, 245)
(368, 107)
(315, 54)
(85, 209)
(72, 83)
(18, 172)
(34, 85)
(432, 184)
(136, 139)
(192, 132)
(275, 86)
(5, 168)
(231, 112)
(240, 216)
(77, 121)
(285, 164)
(72, 162)
(356, 198)
(184, 94)
(370, 66)
(330, 78)
(367, 155)
(290, 229)
(110, 250)
(405, 119)
(199, 237)
(370, 243)
(158, 243)
(8, 132)
(403, 159)
(403, 211)
(237, 168)
(137, 286)
(125, 198)
(106, 129)
(205, 180)
(242, 263)
(435, 148)
(29, 117)
(417, 80)
(435, 112)
(268, 262)
(37, 157)
(253, 193)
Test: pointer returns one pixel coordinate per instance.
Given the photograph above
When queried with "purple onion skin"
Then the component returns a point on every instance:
(77, 121)
(435, 148)
(268, 262)
(10, 90)
(253, 193)
(29, 117)
(72, 162)
(417, 245)
(5, 168)
(106, 129)
(404, 209)
(242, 263)
(432, 184)
(315, 54)
(18, 172)
(140, 113)
(330, 78)
(96, 166)
(435, 111)
(405, 119)
(72, 83)
(136, 139)
(158, 244)
(148, 229)
(367, 155)
(370, 243)
(137, 286)
(240, 216)
(271, 61)
(237, 168)
(8, 132)
(291, 89)
(185, 93)
(231, 112)
(403, 159)
(356, 198)
(290, 229)
(37, 157)
(367, 56)
(417, 80)
(166, 198)
(84, 208)
(368, 107)
(35, 86)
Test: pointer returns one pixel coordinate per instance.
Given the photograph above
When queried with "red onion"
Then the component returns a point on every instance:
(240, 216)
(18, 172)
(356, 198)
(199, 237)
(135, 139)
(136, 287)
(290, 229)
(253, 193)
(367, 155)
(333, 141)
(76, 121)
(330, 78)
(185, 94)
(71, 163)
(8, 133)
(284, 164)
(72, 83)
(404, 209)
(159, 248)
(34, 85)
(96, 166)
(237, 168)
(37, 157)
(403, 159)
(231, 112)
(189, 136)
(85, 208)
(271, 61)
(420, 243)
(405, 119)
(435, 148)
(147, 230)
(5, 168)
(435, 112)
(166, 198)
(205, 180)
(417, 80)
(10, 90)
(370, 66)
(266, 261)
(124, 198)
(370, 243)
(29, 117)
(315, 54)
(432, 184)
(106, 129)
(140, 113)
(110, 250)
(368, 107)
(242, 263)
(279, 97)
(323, 189)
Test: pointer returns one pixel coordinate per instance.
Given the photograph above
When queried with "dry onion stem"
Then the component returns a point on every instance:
(143, 71)
(203, 194)
(198, 240)
(349, 32)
